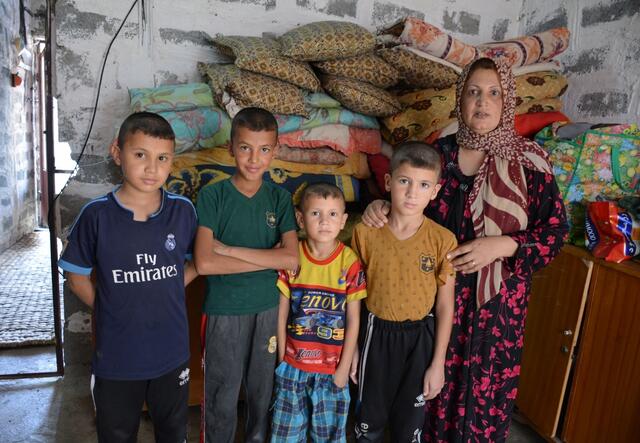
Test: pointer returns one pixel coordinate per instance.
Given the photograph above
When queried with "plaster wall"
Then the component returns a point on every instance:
(17, 186)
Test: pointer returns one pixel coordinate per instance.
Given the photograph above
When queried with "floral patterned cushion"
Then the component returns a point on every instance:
(419, 72)
(542, 105)
(361, 97)
(424, 112)
(326, 40)
(262, 55)
(367, 68)
(539, 85)
(251, 89)
(433, 109)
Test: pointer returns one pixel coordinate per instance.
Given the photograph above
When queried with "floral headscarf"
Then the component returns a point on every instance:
(498, 199)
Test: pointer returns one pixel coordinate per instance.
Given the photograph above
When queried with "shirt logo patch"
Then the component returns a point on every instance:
(170, 242)
(271, 219)
(183, 378)
(272, 345)
(343, 277)
(427, 263)
(361, 278)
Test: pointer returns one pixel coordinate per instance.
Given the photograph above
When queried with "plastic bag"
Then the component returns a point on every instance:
(611, 232)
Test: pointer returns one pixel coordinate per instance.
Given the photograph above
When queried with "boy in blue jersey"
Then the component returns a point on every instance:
(135, 241)
(247, 230)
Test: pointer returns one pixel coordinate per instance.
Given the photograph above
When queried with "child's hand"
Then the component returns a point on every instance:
(220, 248)
(433, 381)
(353, 372)
(341, 377)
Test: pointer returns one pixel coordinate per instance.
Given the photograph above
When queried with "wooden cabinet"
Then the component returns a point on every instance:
(580, 375)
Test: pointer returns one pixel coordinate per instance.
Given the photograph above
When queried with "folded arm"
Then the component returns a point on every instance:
(209, 262)
(284, 257)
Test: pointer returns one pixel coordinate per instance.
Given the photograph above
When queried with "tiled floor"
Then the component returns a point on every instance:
(26, 317)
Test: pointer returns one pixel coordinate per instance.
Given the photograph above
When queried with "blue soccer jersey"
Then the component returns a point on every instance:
(140, 314)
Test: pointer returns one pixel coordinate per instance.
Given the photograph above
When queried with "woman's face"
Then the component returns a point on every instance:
(481, 104)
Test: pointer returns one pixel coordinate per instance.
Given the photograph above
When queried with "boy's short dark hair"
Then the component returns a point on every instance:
(254, 119)
(148, 123)
(323, 190)
(417, 154)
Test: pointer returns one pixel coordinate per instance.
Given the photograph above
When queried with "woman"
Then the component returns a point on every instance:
(500, 199)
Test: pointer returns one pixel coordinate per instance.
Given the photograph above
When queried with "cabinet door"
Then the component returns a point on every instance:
(555, 311)
(604, 405)
(195, 297)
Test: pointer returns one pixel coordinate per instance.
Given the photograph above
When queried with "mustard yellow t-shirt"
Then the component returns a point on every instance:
(403, 275)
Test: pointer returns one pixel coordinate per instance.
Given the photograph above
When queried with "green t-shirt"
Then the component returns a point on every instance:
(237, 220)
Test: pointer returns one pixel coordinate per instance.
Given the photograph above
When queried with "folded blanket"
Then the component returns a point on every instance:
(316, 156)
(171, 98)
(342, 138)
(355, 165)
(324, 116)
(199, 128)
(189, 175)
(519, 51)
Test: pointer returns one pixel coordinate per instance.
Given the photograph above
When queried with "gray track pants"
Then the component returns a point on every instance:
(239, 350)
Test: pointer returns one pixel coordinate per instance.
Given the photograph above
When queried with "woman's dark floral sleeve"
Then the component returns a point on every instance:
(547, 230)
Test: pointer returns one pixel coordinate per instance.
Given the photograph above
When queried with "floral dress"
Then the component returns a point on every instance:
(483, 359)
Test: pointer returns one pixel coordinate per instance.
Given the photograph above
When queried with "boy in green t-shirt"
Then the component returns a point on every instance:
(247, 230)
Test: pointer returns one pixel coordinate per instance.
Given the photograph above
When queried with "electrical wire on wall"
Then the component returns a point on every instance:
(95, 108)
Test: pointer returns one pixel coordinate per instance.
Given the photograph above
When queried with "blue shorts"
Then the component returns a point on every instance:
(308, 402)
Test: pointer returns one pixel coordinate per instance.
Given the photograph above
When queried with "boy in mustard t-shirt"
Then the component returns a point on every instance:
(402, 347)
(317, 325)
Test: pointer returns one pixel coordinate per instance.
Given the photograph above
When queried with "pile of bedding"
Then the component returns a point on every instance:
(337, 90)
(428, 109)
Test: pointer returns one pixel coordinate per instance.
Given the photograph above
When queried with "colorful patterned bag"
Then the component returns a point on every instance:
(599, 164)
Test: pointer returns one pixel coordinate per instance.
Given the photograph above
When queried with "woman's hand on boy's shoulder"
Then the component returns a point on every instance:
(375, 214)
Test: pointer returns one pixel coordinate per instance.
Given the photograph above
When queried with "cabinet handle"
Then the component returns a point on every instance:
(564, 349)
(567, 332)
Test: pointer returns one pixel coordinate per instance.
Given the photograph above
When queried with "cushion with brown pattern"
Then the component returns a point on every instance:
(367, 68)
(262, 56)
(419, 72)
(326, 40)
(251, 89)
(360, 96)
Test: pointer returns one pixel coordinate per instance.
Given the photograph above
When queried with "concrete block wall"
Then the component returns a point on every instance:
(165, 47)
(602, 62)
(17, 193)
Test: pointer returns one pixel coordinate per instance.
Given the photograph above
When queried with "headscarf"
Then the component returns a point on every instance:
(498, 198)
